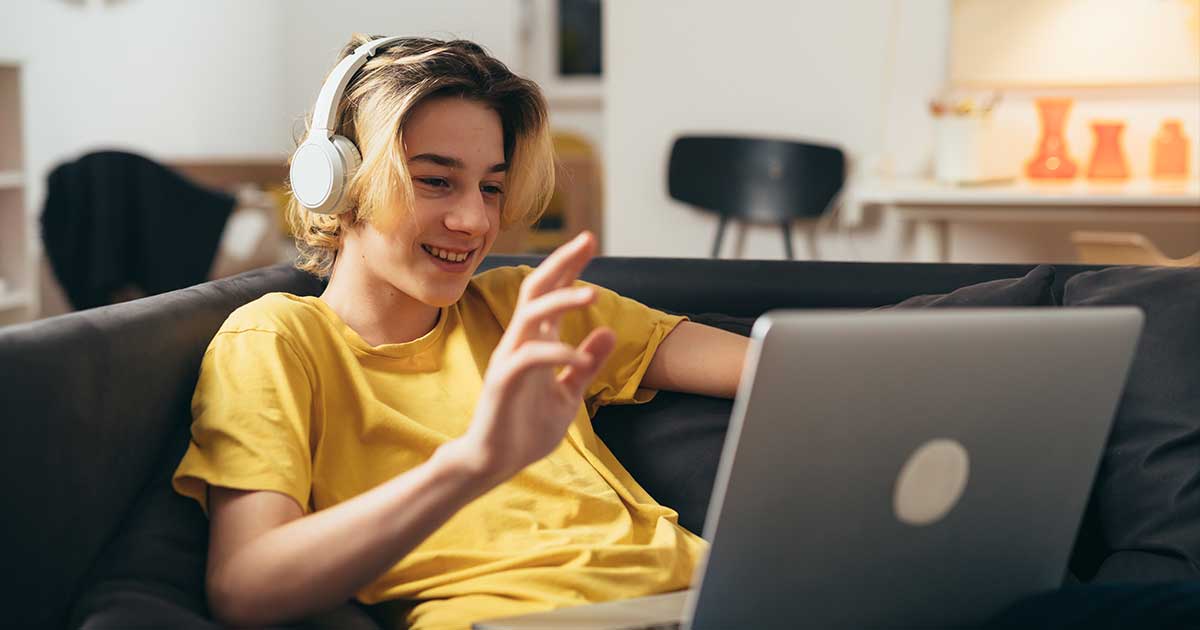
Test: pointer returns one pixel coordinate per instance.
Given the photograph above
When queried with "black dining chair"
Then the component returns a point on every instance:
(756, 180)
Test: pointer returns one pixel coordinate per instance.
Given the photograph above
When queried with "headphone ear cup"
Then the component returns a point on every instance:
(321, 167)
(351, 158)
(316, 175)
(348, 160)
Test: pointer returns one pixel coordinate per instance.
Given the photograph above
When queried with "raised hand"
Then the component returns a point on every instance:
(527, 402)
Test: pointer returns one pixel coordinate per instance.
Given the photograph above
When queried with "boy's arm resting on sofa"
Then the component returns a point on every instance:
(698, 359)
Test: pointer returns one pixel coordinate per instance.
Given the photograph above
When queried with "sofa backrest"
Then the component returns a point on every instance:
(96, 403)
(700, 285)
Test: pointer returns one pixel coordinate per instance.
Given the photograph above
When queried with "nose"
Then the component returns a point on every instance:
(469, 215)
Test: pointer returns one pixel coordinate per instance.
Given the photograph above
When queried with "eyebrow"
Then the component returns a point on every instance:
(451, 162)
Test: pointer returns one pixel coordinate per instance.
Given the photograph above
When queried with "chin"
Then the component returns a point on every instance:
(442, 301)
(442, 298)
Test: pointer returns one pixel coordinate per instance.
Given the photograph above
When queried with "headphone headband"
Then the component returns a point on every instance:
(331, 93)
(324, 162)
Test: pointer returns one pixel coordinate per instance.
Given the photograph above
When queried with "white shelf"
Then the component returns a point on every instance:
(11, 179)
(15, 299)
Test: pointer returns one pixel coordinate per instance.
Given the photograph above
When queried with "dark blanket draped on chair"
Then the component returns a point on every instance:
(115, 221)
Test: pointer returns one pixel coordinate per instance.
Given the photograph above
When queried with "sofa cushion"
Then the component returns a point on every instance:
(153, 569)
(1147, 493)
(1035, 288)
(1163, 606)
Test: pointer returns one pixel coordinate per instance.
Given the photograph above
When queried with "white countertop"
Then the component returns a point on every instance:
(924, 192)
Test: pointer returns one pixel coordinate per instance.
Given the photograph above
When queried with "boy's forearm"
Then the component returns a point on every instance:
(317, 562)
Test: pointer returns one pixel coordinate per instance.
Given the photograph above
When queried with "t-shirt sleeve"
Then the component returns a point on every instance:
(639, 332)
(251, 419)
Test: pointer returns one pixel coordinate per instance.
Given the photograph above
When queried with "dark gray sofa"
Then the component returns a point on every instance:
(96, 415)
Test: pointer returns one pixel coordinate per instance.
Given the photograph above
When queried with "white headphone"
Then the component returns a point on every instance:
(324, 162)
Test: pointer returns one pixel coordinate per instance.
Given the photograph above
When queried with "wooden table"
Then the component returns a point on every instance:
(931, 207)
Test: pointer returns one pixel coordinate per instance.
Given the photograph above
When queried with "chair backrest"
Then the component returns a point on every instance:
(1124, 248)
(755, 179)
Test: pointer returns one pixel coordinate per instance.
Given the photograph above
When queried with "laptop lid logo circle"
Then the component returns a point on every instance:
(931, 482)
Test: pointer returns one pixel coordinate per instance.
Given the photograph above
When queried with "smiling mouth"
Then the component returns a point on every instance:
(447, 256)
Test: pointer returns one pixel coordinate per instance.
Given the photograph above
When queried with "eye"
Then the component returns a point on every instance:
(434, 182)
(492, 189)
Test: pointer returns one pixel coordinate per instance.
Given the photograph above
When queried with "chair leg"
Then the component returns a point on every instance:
(716, 250)
(787, 239)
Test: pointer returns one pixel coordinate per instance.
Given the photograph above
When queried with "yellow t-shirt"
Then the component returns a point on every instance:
(291, 399)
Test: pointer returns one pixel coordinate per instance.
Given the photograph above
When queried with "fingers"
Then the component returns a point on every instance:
(597, 347)
(577, 259)
(561, 267)
(539, 319)
(533, 354)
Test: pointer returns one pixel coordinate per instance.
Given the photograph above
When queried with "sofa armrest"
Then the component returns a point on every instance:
(89, 401)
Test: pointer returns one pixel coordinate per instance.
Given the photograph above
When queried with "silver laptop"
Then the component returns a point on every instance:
(895, 469)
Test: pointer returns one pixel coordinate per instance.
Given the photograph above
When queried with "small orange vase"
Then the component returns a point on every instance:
(1170, 151)
(1108, 160)
(1051, 160)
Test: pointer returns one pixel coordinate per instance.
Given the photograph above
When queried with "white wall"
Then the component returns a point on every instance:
(222, 78)
(167, 78)
(170, 78)
(858, 74)
(810, 70)
(314, 34)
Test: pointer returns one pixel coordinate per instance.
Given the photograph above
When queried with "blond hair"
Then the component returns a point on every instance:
(372, 114)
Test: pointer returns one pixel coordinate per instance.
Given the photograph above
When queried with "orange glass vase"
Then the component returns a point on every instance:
(1051, 160)
(1108, 160)
(1170, 151)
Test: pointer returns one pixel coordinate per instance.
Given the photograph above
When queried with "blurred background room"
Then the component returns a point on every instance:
(144, 143)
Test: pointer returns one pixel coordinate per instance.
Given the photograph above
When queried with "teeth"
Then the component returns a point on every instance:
(446, 255)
